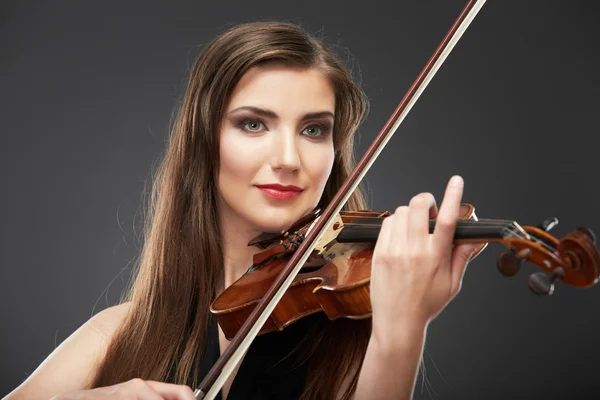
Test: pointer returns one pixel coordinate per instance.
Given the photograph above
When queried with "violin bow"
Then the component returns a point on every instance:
(223, 368)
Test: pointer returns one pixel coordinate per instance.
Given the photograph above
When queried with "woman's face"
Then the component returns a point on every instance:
(276, 130)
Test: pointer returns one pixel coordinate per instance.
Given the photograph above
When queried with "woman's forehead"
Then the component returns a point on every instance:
(284, 89)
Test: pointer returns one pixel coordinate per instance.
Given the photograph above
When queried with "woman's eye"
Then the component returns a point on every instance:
(315, 130)
(252, 125)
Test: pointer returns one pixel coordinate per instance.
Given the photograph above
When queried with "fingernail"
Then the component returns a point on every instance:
(456, 181)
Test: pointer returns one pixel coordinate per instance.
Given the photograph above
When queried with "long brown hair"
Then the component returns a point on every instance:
(181, 261)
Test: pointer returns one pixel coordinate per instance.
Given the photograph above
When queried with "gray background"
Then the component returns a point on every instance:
(86, 95)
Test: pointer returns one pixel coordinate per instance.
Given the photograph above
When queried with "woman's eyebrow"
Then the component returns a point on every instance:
(272, 115)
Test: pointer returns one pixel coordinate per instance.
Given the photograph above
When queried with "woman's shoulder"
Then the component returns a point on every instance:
(72, 365)
(106, 322)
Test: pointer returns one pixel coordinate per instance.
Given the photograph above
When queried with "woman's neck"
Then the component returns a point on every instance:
(237, 255)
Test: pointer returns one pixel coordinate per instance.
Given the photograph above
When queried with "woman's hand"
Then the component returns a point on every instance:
(135, 389)
(415, 274)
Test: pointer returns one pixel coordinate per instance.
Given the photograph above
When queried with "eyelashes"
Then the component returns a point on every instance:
(243, 125)
(315, 130)
(324, 129)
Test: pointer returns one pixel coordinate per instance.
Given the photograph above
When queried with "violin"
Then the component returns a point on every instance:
(335, 278)
(322, 261)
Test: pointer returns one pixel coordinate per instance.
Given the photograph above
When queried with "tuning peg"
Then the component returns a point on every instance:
(548, 224)
(542, 283)
(509, 263)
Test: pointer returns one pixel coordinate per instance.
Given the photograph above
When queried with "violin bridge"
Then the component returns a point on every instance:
(332, 231)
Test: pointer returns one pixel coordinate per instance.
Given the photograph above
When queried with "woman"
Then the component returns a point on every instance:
(264, 135)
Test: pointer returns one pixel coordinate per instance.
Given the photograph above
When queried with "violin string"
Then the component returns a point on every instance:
(482, 223)
(535, 240)
(479, 225)
(375, 216)
(377, 221)
(528, 237)
(372, 222)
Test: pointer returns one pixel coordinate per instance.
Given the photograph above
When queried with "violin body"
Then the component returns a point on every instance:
(335, 280)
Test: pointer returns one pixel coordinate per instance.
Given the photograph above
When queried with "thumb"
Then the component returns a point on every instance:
(460, 259)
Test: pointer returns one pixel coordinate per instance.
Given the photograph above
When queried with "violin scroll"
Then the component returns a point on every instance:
(574, 259)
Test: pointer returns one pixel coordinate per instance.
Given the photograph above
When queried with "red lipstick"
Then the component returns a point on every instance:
(280, 192)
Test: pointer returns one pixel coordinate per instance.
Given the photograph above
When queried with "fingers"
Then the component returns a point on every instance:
(134, 388)
(421, 209)
(171, 391)
(151, 390)
(445, 223)
(399, 232)
(408, 228)
(414, 265)
(460, 259)
(385, 237)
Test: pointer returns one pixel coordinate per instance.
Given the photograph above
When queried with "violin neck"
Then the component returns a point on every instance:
(488, 230)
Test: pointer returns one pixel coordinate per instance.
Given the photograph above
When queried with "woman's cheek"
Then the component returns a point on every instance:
(321, 158)
(241, 152)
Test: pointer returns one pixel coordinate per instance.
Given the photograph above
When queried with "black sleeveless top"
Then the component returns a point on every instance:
(267, 371)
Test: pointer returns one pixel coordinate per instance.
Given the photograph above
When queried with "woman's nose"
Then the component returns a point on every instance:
(286, 154)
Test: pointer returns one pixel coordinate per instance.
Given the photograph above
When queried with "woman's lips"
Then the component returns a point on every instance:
(280, 193)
